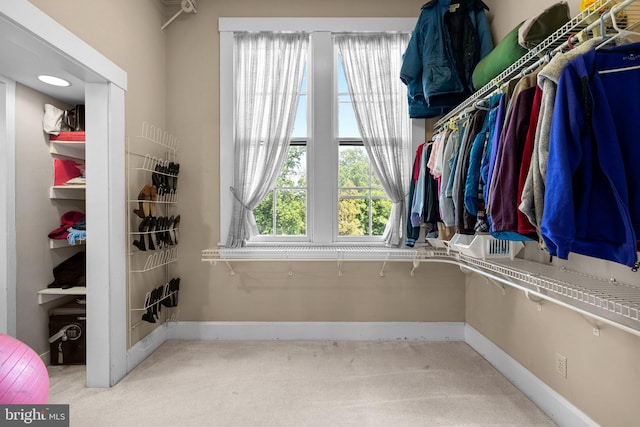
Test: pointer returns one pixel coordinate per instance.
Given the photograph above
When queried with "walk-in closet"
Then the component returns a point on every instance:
(297, 249)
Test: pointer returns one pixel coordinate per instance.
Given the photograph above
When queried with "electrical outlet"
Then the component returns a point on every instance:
(561, 364)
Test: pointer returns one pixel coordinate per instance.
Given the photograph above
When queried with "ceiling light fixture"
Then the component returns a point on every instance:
(54, 81)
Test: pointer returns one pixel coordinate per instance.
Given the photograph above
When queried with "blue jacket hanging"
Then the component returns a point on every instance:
(592, 197)
(448, 41)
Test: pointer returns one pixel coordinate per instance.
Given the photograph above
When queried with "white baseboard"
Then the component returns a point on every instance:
(559, 409)
(346, 331)
(143, 348)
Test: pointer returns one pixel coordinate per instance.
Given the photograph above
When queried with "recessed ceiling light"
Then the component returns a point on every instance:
(54, 81)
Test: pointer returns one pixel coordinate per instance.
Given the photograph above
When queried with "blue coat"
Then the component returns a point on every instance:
(435, 80)
(592, 197)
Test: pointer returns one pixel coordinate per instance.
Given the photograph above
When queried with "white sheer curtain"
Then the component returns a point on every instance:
(372, 65)
(269, 68)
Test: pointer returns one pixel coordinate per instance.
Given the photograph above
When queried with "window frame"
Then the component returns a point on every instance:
(321, 229)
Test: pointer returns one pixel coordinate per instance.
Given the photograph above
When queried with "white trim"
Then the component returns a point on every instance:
(226, 133)
(31, 19)
(322, 177)
(559, 409)
(147, 345)
(8, 206)
(317, 24)
(344, 331)
(106, 260)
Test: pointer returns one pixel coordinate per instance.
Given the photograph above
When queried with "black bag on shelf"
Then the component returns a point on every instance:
(70, 272)
(75, 118)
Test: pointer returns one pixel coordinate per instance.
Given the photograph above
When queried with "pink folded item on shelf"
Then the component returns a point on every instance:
(66, 221)
(68, 136)
(65, 170)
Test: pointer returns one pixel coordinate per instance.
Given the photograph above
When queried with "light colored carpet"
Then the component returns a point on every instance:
(301, 383)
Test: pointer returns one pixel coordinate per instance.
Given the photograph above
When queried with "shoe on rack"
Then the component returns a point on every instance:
(154, 304)
(152, 225)
(175, 226)
(173, 169)
(143, 210)
(156, 179)
(145, 196)
(160, 224)
(142, 228)
(154, 198)
(166, 296)
(148, 314)
(167, 234)
(174, 287)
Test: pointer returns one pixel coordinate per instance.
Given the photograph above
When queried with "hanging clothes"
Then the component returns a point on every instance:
(431, 204)
(413, 232)
(524, 226)
(474, 187)
(448, 41)
(504, 194)
(532, 204)
(447, 210)
(465, 221)
(592, 198)
(501, 116)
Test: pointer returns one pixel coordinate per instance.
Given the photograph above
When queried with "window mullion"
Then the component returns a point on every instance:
(324, 166)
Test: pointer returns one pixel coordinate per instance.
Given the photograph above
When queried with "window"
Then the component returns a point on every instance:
(327, 192)
(283, 212)
(363, 206)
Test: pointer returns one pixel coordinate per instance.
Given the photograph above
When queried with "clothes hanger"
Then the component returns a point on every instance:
(620, 32)
(628, 35)
(482, 104)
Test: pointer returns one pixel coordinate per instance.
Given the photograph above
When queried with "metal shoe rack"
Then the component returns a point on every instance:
(152, 291)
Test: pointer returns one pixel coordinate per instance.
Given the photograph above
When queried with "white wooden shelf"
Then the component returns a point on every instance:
(68, 192)
(63, 243)
(50, 294)
(72, 149)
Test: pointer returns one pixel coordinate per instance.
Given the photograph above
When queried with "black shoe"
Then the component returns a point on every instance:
(142, 228)
(167, 233)
(174, 286)
(152, 226)
(160, 231)
(148, 315)
(175, 226)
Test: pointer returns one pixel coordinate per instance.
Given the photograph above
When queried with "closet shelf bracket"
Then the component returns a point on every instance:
(537, 301)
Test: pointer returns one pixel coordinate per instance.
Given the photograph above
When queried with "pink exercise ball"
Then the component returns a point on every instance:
(23, 376)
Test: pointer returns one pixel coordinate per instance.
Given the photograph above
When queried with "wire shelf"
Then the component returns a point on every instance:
(615, 302)
(555, 41)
